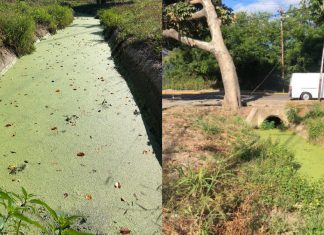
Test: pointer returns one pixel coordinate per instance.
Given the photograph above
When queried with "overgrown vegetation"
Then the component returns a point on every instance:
(19, 21)
(23, 213)
(267, 125)
(313, 119)
(188, 68)
(245, 186)
(137, 20)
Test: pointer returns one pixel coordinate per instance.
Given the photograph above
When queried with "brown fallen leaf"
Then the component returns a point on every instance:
(58, 90)
(8, 125)
(12, 169)
(124, 231)
(66, 195)
(88, 197)
(117, 185)
(80, 154)
(54, 128)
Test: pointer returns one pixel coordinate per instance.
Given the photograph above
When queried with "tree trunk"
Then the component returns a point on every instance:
(218, 48)
(232, 97)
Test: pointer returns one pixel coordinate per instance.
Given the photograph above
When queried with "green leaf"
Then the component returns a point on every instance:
(24, 192)
(28, 220)
(74, 232)
(74, 217)
(5, 196)
(49, 209)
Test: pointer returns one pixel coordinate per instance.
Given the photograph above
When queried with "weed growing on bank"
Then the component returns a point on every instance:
(313, 119)
(19, 21)
(137, 20)
(22, 213)
(18, 31)
(250, 187)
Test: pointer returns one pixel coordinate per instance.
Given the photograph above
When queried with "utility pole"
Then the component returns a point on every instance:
(281, 11)
(320, 87)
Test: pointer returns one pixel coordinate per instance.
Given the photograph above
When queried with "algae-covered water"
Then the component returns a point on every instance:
(66, 99)
(309, 156)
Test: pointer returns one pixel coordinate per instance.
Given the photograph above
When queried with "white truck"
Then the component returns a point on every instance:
(305, 86)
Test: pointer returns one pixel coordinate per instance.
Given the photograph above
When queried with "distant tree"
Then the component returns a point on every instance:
(317, 9)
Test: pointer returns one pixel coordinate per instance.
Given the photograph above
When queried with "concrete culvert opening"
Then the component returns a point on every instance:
(272, 122)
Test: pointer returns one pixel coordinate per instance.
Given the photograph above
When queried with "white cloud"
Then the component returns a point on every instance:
(270, 6)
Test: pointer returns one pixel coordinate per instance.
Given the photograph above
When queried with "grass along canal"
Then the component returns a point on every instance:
(309, 156)
(69, 123)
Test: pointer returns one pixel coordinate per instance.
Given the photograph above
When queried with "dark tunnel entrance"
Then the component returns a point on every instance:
(272, 122)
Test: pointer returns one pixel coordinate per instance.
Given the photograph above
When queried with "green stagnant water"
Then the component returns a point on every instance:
(66, 98)
(309, 156)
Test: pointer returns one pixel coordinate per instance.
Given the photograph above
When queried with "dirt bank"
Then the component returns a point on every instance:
(142, 68)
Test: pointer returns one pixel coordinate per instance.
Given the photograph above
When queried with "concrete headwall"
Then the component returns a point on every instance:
(259, 114)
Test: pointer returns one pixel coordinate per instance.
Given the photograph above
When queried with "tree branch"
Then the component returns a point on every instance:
(194, 2)
(198, 15)
(172, 33)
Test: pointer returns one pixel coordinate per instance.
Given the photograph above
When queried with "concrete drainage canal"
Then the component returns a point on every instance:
(69, 118)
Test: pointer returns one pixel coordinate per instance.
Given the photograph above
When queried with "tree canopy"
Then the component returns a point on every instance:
(254, 42)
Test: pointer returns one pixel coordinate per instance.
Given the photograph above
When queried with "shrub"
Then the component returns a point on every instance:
(267, 125)
(63, 16)
(18, 32)
(292, 115)
(42, 17)
(316, 111)
(315, 128)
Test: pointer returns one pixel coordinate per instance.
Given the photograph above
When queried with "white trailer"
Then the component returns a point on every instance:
(305, 86)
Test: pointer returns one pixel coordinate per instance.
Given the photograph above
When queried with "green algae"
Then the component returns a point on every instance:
(66, 98)
(309, 156)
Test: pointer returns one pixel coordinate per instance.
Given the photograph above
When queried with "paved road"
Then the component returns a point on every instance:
(66, 99)
(215, 98)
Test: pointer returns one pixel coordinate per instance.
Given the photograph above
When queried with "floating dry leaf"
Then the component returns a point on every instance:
(80, 154)
(8, 125)
(117, 185)
(54, 128)
(124, 231)
(88, 197)
(12, 169)
(58, 90)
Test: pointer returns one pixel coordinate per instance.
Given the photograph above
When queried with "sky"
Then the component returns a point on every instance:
(270, 6)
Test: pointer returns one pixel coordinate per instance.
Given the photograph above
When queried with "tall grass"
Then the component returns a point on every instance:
(18, 31)
(138, 20)
(255, 186)
(18, 21)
